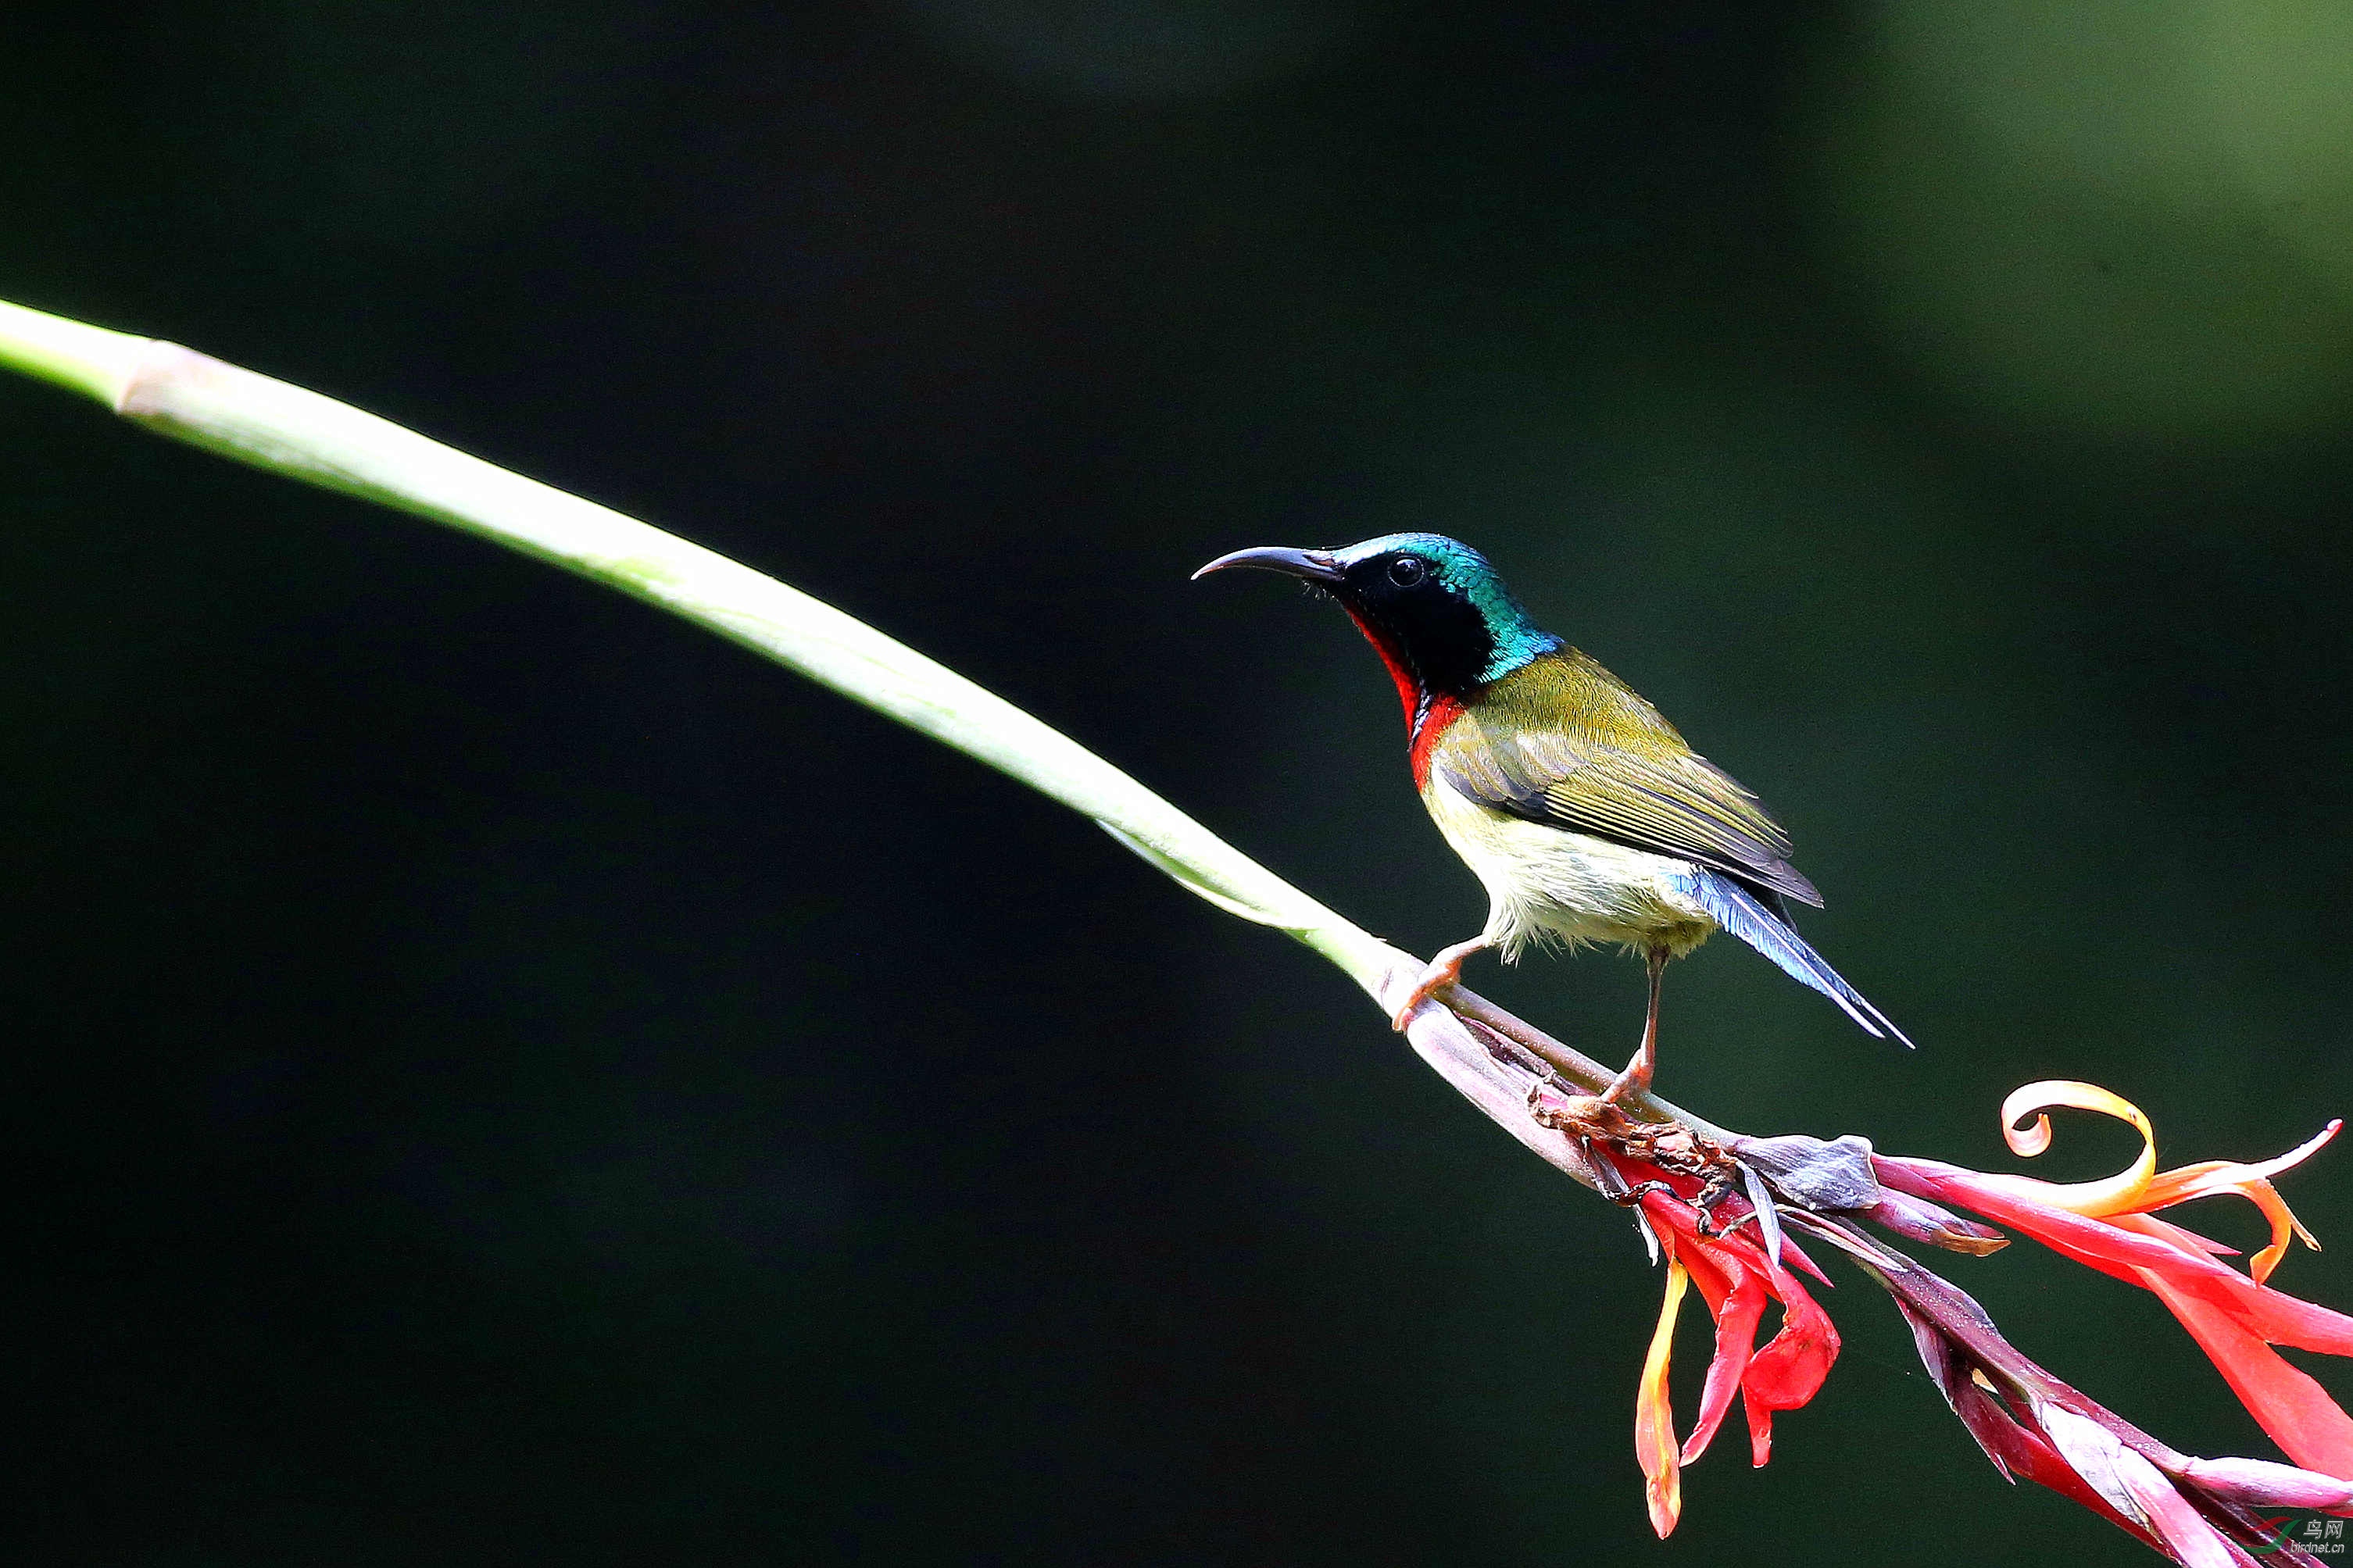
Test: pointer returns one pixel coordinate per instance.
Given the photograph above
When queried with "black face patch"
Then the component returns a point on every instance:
(1432, 628)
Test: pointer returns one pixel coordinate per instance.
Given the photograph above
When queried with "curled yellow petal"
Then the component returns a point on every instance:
(2140, 1188)
(2120, 1194)
(1654, 1416)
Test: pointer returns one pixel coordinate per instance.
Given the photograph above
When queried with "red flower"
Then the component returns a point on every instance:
(1737, 1278)
(2110, 1225)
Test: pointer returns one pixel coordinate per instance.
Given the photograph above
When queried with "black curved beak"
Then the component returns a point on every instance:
(1313, 565)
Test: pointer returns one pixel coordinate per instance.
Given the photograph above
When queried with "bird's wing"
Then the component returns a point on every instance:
(1573, 748)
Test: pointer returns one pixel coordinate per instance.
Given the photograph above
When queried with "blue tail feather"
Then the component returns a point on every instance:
(1745, 916)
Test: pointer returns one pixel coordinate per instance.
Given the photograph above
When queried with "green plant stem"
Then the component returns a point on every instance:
(192, 397)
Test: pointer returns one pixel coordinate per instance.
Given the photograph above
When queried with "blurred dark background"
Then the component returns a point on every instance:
(495, 1074)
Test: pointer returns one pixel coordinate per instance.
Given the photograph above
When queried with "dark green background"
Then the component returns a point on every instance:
(494, 1074)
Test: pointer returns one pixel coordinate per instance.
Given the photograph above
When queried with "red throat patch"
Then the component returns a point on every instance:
(1436, 720)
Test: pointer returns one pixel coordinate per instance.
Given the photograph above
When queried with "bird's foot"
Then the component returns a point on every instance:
(1636, 1076)
(1443, 971)
(1635, 1079)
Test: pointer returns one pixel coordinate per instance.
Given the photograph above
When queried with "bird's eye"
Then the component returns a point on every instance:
(1406, 571)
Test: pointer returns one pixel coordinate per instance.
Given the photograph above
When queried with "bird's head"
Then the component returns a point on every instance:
(1437, 612)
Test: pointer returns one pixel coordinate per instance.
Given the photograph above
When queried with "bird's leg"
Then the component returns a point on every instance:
(1443, 971)
(1636, 1076)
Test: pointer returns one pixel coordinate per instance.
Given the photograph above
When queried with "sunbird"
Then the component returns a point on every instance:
(1586, 814)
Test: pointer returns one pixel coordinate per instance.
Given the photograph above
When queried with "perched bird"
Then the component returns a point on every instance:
(1586, 814)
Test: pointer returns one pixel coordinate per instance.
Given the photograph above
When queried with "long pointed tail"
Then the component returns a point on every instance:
(1742, 913)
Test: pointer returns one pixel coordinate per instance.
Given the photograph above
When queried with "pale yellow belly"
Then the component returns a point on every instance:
(1547, 885)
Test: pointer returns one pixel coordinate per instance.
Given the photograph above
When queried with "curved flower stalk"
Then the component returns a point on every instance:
(1718, 1208)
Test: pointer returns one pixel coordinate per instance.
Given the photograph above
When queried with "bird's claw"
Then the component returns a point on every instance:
(1416, 1001)
(1443, 971)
